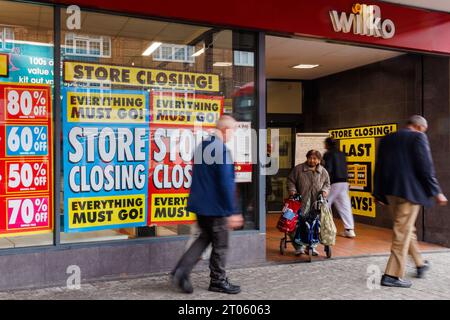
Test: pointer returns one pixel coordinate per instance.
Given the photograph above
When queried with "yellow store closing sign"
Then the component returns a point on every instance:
(124, 107)
(361, 162)
(104, 211)
(363, 204)
(359, 145)
(133, 76)
(357, 176)
(181, 109)
(170, 207)
(3, 65)
(363, 132)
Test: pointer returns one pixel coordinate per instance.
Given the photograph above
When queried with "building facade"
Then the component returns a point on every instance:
(97, 156)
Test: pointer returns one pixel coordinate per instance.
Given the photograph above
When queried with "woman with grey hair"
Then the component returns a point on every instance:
(308, 179)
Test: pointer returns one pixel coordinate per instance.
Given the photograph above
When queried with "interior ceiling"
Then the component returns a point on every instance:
(41, 17)
(284, 53)
(439, 5)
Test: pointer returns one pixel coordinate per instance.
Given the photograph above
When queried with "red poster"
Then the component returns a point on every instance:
(178, 124)
(26, 159)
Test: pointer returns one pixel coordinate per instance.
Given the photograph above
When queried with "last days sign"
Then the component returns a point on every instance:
(359, 146)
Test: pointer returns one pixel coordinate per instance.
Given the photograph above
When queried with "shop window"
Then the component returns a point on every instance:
(26, 151)
(125, 154)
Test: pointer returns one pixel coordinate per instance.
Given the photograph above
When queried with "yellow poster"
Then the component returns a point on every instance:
(170, 207)
(363, 204)
(363, 132)
(105, 211)
(181, 109)
(3, 65)
(134, 76)
(358, 150)
(357, 176)
(108, 107)
(358, 144)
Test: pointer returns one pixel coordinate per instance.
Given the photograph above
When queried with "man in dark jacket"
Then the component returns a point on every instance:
(405, 180)
(212, 199)
(336, 165)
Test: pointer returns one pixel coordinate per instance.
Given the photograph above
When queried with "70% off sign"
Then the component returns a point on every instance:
(27, 212)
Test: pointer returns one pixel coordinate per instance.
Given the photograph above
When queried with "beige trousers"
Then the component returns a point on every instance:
(404, 240)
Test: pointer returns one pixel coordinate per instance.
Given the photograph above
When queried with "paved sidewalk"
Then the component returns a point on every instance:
(331, 279)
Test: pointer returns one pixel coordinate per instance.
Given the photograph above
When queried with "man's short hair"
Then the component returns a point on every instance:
(330, 142)
(417, 120)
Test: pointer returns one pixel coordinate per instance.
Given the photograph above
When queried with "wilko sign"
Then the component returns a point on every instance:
(364, 20)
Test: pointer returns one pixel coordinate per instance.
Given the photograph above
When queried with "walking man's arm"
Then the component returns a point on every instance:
(425, 169)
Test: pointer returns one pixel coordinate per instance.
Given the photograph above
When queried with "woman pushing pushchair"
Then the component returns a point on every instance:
(311, 181)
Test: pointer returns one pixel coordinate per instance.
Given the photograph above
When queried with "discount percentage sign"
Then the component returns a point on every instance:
(40, 105)
(41, 139)
(41, 213)
(40, 177)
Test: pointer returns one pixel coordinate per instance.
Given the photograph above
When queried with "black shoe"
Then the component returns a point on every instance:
(389, 281)
(181, 281)
(224, 286)
(421, 270)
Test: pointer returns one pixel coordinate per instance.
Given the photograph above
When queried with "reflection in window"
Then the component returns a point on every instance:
(89, 46)
(6, 38)
(173, 52)
(172, 78)
(243, 58)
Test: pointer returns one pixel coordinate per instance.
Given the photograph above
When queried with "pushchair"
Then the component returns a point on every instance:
(307, 229)
(289, 219)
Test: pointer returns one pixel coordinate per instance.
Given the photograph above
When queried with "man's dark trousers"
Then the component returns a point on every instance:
(213, 230)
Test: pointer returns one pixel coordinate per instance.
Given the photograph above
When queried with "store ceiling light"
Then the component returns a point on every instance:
(305, 66)
(152, 48)
(199, 52)
(222, 64)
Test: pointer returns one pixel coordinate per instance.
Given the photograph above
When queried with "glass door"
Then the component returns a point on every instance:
(276, 185)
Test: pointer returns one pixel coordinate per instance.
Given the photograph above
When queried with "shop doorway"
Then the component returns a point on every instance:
(316, 86)
(277, 184)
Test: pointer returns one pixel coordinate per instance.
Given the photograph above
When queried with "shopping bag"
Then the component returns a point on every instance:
(327, 227)
(288, 219)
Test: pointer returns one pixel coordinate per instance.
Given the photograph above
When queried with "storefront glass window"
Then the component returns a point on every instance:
(134, 105)
(26, 125)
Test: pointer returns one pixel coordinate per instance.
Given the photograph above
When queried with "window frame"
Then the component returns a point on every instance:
(58, 53)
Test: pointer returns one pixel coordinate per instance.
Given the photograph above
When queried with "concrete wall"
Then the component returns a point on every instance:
(121, 260)
(436, 101)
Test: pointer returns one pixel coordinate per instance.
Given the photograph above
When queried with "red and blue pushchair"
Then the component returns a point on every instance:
(306, 226)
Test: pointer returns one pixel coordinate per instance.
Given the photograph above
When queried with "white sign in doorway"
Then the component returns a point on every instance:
(308, 141)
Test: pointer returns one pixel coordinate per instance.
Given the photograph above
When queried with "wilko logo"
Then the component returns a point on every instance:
(364, 20)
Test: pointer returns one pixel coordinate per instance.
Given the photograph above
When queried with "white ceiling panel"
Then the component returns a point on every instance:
(284, 53)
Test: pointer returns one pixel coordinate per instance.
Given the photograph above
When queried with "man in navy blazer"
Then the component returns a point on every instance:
(405, 180)
(212, 199)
